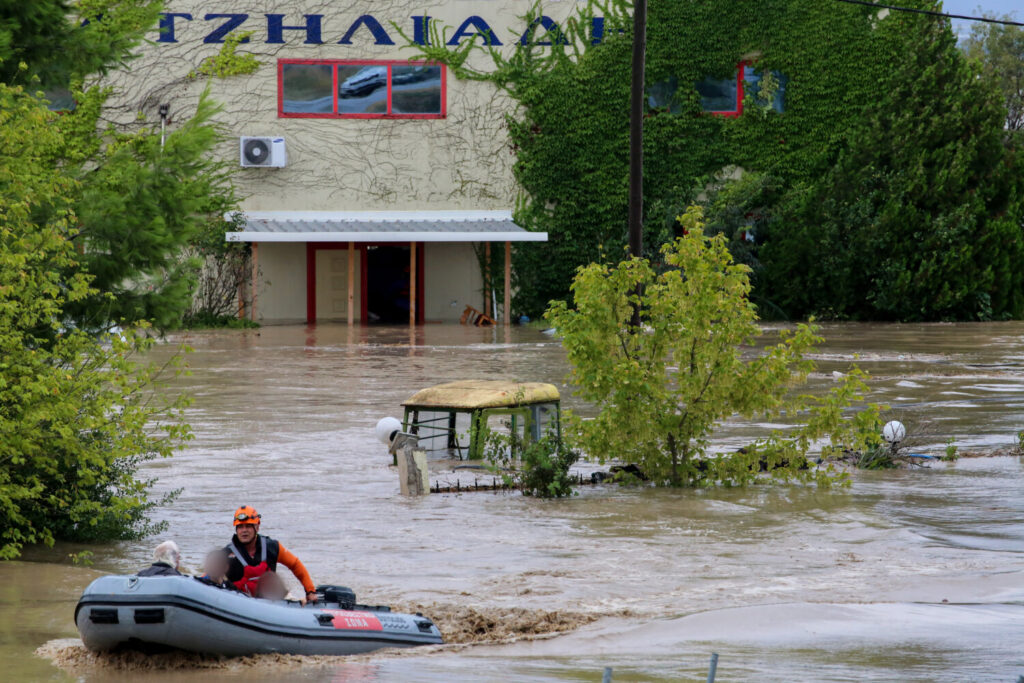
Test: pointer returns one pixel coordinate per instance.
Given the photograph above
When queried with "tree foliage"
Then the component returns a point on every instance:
(76, 418)
(59, 40)
(1000, 51)
(569, 130)
(919, 218)
(141, 204)
(662, 389)
(144, 209)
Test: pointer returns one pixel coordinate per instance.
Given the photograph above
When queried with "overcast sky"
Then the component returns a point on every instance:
(1000, 8)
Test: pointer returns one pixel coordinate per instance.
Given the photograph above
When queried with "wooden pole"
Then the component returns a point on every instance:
(636, 130)
(412, 283)
(508, 284)
(351, 282)
(487, 280)
(636, 141)
(253, 279)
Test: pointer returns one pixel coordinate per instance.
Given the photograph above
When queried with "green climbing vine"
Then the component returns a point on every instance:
(821, 63)
(228, 62)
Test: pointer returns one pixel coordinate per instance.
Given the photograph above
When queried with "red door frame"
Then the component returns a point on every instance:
(313, 247)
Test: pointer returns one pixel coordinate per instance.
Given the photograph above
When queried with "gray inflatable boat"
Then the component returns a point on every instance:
(157, 612)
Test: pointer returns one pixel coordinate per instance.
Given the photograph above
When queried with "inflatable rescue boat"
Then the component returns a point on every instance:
(157, 612)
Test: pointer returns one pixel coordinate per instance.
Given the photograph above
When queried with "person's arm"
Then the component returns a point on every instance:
(293, 563)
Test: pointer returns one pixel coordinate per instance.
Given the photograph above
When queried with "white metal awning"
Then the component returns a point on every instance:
(382, 226)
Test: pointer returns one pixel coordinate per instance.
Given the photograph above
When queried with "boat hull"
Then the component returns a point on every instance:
(182, 613)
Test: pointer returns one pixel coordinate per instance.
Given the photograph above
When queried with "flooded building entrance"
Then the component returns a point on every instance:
(396, 267)
(393, 282)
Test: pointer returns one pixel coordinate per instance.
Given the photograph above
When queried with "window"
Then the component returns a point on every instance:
(360, 89)
(776, 87)
(663, 96)
(724, 96)
(59, 99)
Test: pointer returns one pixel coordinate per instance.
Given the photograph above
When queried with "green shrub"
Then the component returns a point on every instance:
(662, 388)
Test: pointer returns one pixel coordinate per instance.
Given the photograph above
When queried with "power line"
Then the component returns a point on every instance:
(988, 20)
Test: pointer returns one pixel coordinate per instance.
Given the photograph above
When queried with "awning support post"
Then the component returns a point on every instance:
(253, 279)
(412, 283)
(508, 284)
(487, 280)
(351, 282)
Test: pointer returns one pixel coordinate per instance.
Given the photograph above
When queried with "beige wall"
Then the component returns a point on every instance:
(451, 273)
(281, 292)
(460, 162)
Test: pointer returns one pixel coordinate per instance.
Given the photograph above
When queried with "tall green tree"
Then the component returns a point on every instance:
(141, 204)
(58, 40)
(569, 128)
(1000, 50)
(76, 420)
(919, 219)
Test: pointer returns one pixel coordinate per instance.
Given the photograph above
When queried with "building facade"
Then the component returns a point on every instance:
(373, 181)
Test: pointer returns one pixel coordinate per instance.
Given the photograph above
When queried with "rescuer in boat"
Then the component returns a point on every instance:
(251, 555)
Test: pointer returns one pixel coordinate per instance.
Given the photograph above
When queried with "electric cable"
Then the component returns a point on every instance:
(933, 13)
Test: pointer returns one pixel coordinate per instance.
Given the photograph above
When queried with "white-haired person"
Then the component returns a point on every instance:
(167, 561)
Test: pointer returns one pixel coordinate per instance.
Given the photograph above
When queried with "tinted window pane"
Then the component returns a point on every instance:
(59, 99)
(663, 95)
(307, 89)
(362, 89)
(718, 94)
(416, 89)
(754, 82)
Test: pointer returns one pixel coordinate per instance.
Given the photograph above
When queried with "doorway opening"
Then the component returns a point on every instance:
(387, 284)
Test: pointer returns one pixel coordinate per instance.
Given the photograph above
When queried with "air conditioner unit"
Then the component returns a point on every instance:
(257, 152)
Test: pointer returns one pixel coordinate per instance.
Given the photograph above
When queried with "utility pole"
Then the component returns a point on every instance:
(636, 139)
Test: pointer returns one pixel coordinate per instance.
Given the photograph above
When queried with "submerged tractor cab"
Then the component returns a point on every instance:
(455, 417)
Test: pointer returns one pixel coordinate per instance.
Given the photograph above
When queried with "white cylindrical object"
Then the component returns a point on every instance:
(387, 426)
(894, 431)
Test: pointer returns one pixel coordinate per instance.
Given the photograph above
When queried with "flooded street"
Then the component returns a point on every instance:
(906, 575)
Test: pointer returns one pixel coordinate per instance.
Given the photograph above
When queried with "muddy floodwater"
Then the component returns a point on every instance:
(906, 575)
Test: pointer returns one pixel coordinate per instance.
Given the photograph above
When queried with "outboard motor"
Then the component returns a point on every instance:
(344, 596)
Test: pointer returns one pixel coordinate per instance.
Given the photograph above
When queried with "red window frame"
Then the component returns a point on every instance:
(335, 63)
(735, 113)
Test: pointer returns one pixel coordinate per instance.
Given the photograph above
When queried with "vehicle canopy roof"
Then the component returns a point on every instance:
(476, 394)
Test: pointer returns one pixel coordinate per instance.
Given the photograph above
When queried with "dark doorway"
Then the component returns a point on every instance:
(387, 284)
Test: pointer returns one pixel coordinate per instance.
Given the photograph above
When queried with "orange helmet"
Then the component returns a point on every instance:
(246, 515)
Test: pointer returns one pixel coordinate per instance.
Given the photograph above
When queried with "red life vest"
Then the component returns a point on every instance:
(244, 570)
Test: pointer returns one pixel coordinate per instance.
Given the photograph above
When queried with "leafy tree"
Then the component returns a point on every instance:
(662, 389)
(58, 40)
(569, 128)
(75, 421)
(141, 206)
(919, 217)
(1000, 51)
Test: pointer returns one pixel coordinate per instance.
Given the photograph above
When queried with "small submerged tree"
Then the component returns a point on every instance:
(661, 389)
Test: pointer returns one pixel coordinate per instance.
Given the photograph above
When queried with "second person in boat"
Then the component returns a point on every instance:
(251, 555)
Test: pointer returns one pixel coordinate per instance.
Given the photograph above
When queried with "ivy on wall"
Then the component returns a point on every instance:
(569, 130)
(228, 62)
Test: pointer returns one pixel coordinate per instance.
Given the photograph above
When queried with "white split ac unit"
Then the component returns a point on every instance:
(260, 152)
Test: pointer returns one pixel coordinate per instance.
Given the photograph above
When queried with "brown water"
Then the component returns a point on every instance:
(907, 575)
